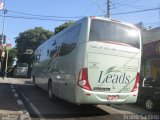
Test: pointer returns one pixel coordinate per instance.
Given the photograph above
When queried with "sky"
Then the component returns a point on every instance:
(23, 15)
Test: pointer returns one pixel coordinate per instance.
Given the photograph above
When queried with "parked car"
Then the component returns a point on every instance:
(21, 69)
(149, 94)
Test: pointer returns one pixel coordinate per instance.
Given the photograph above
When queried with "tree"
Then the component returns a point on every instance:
(12, 54)
(63, 26)
(30, 39)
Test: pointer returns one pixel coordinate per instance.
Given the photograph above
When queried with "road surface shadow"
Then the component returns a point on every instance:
(57, 108)
(86, 111)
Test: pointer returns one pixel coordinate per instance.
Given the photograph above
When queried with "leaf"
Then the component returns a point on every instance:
(111, 69)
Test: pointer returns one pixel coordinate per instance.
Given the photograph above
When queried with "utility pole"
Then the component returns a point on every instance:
(3, 42)
(4, 16)
(6, 67)
(159, 11)
(108, 8)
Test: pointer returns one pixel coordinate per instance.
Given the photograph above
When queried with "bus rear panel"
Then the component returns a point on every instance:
(112, 70)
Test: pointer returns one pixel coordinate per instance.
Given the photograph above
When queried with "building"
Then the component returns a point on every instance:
(151, 52)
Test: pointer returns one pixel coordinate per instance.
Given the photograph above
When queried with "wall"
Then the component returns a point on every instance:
(151, 52)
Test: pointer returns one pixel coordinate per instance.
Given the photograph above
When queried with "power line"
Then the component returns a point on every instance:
(34, 18)
(137, 7)
(144, 10)
(38, 15)
(124, 3)
(88, 9)
(104, 11)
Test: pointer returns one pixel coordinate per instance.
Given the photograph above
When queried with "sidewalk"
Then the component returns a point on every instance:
(4, 80)
(11, 107)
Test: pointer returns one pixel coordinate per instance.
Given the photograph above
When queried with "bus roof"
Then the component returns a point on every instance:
(112, 20)
(92, 17)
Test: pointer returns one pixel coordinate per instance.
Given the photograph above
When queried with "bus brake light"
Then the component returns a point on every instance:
(135, 87)
(83, 79)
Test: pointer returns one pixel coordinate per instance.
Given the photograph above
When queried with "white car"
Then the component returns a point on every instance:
(21, 69)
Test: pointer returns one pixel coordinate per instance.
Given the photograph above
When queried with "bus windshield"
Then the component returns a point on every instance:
(102, 30)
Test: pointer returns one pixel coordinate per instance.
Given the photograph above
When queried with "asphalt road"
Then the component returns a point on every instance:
(40, 107)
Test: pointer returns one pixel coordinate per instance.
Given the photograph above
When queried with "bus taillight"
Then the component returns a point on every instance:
(93, 17)
(135, 87)
(83, 79)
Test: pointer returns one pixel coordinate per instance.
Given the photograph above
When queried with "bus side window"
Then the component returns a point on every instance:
(38, 54)
(48, 52)
(63, 45)
(70, 39)
(73, 38)
(59, 43)
(53, 48)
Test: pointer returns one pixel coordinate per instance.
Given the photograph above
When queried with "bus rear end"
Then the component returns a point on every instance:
(112, 71)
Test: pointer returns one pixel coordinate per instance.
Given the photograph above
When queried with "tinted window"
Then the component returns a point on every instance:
(69, 40)
(55, 46)
(109, 31)
(63, 49)
(39, 55)
(22, 65)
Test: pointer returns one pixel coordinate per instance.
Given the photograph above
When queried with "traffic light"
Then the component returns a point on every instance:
(2, 39)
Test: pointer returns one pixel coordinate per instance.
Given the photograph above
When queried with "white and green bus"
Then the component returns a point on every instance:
(94, 61)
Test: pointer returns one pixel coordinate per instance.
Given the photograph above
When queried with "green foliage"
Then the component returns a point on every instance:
(30, 39)
(12, 54)
(62, 27)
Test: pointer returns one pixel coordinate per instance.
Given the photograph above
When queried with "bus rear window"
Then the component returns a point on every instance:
(22, 65)
(110, 31)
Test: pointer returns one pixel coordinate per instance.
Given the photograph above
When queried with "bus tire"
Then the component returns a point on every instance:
(50, 92)
(34, 81)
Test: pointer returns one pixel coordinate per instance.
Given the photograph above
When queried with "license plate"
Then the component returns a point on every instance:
(112, 97)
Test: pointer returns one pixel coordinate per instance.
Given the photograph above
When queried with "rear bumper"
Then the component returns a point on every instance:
(90, 97)
(20, 74)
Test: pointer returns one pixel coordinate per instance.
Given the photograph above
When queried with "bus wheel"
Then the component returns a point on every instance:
(50, 92)
(34, 82)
